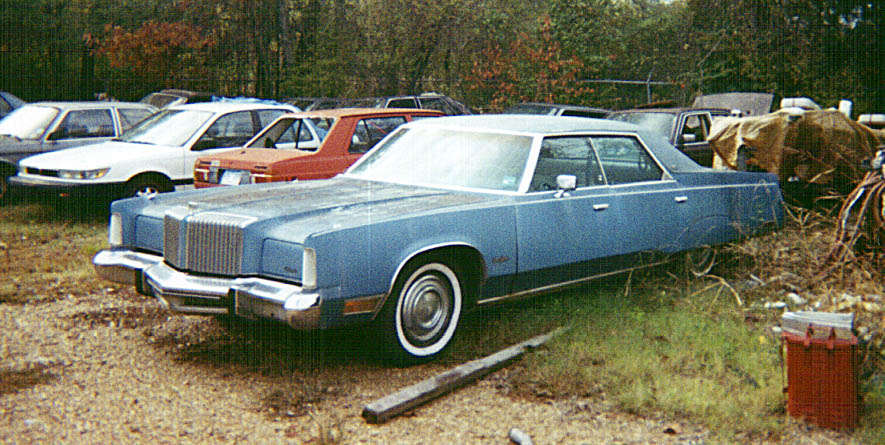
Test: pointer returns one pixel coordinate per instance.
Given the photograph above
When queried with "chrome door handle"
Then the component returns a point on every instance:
(600, 207)
(681, 198)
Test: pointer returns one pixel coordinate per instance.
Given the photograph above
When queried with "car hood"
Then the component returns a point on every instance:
(295, 211)
(105, 154)
(8, 143)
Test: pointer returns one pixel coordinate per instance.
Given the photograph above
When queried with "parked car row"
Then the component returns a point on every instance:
(50, 126)
(153, 156)
(110, 171)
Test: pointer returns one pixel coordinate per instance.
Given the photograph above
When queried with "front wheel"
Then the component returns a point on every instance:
(420, 320)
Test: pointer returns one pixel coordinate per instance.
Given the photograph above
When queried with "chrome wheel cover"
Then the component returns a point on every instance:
(428, 309)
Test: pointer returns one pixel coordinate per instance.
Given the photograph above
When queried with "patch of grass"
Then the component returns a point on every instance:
(649, 355)
(46, 255)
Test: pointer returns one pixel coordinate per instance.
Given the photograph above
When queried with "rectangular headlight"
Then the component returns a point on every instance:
(115, 230)
(309, 269)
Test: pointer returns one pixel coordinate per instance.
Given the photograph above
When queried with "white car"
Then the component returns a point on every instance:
(153, 157)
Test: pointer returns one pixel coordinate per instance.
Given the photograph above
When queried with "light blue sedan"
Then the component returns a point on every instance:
(442, 216)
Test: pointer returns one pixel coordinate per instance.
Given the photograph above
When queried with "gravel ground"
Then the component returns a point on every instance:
(113, 367)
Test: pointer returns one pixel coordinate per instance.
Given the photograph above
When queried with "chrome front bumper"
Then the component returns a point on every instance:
(191, 294)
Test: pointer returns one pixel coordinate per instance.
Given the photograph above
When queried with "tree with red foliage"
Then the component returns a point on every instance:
(529, 69)
(158, 52)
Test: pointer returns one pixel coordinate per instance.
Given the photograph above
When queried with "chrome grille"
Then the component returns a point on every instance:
(213, 242)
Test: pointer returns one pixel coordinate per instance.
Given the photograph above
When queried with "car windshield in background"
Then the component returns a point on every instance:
(659, 123)
(169, 127)
(28, 122)
(529, 109)
(444, 157)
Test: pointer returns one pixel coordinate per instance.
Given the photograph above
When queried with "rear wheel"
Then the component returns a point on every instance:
(421, 317)
(699, 261)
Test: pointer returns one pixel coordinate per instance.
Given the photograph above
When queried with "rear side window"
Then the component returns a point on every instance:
(297, 131)
(86, 124)
(370, 131)
(131, 116)
(231, 130)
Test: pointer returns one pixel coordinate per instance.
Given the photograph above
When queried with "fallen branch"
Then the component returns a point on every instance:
(392, 405)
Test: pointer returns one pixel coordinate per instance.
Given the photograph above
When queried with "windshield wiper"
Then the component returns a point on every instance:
(11, 136)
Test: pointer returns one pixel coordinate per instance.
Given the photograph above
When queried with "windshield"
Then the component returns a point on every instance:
(658, 123)
(28, 122)
(168, 127)
(427, 155)
(529, 109)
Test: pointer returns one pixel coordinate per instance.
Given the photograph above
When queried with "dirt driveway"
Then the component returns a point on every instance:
(113, 367)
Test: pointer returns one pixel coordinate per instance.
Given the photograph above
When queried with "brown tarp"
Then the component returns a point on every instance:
(816, 147)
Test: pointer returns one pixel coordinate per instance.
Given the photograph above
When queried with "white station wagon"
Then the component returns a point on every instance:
(152, 157)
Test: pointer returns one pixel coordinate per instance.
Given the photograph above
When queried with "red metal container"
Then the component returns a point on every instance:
(822, 380)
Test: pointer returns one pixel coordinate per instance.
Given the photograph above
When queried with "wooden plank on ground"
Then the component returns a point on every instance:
(392, 405)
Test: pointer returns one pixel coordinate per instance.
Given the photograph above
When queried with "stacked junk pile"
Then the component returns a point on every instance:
(820, 156)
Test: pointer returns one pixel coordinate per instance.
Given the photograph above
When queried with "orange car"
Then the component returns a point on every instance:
(308, 145)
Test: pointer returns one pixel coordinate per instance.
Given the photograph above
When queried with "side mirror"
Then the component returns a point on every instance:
(565, 184)
(688, 138)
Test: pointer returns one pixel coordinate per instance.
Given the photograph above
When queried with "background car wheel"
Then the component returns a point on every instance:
(699, 261)
(421, 316)
(148, 185)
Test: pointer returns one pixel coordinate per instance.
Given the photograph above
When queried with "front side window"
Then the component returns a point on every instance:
(695, 128)
(566, 156)
(85, 124)
(624, 160)
(370, 131)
